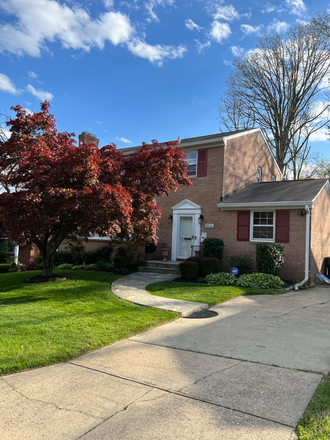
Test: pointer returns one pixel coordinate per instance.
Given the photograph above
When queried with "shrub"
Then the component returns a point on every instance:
(62, 257)
(189, 270)
(121, 251)
(3, 255)
(210, 265)
(40, 263)
(90, 266)
(120, 264)
(103, 266)
(221, 279)
(260, 280)
(78, 267)
(23, 268)
(198, 261)
(213, 247)
(201, 280)
(103, 253)
(243, 263)
(90, 257)
(270, 258)
(32, 265)
(67, 266)
(4, 268)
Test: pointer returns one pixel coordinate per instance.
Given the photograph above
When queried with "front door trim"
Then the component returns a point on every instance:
(185, 208)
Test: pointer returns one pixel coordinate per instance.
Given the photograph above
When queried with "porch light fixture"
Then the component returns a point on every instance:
(302, 213)
(170, 218)
(200, 219)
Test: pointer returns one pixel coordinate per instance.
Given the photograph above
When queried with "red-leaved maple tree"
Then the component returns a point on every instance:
(51, 189)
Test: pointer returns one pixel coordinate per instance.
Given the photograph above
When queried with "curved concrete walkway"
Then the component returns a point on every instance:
(132, 288)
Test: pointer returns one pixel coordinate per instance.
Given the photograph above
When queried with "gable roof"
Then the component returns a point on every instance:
(295, 193)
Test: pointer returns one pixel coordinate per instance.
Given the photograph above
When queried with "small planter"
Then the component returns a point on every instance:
(165, 253)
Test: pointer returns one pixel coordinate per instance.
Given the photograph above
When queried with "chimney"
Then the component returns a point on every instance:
(87, 138)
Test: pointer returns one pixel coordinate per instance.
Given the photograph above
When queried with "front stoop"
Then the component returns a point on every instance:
(161, 266)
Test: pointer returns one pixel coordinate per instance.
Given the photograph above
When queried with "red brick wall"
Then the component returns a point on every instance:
(294, 251)
(243, 156)
(320, 233)
(228, 167)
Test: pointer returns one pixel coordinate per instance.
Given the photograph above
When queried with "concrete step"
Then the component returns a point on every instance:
(159, 269)
(162, 263)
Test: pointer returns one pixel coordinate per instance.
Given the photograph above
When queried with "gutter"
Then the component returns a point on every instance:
(307, 245)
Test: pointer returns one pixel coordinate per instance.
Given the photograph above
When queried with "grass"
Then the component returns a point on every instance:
(43, 324)
(315, 423)
(204, 293)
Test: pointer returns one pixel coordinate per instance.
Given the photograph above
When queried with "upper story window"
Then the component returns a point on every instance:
(263, 226)
(259, 174)
(192, 163)
(197, 163)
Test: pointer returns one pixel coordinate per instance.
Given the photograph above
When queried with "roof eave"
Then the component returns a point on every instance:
(263, 205)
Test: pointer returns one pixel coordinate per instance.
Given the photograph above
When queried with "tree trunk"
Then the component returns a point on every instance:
(47, 262)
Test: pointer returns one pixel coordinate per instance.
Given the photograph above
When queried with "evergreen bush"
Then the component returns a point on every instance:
(189, 269)
(210, 265)
(213, 247)
(62, 257)
(270, 258)
(243, 263)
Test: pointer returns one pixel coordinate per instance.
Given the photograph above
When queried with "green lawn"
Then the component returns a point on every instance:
(204, 293)
(315, 424)
(43, 324)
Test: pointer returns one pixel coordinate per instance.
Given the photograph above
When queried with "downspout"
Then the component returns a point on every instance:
(307, 244)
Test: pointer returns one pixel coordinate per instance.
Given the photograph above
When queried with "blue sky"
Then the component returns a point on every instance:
(132, 71)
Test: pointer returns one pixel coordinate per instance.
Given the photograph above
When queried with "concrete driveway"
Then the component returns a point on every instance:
(247, 373)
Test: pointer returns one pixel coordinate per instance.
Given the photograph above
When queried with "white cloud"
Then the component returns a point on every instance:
(201, 46)
(155, 54)
(41, 21)
(278, 26)
(32, 74)
(249, 30)
(151, 5)
(220, 31)
(191, 25)
(41, 95)
(268, 8)
(227, 63)
(108, 3)
(297, 7)
(29, 112)
(6, 85)
(320, 135)
(122, 139)
(237, 51)
(228, 13)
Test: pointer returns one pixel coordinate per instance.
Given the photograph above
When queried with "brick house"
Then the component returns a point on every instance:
(238, 196)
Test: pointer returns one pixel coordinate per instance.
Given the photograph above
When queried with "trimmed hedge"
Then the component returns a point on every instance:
(221, 279)
(189, 269)
(210, 265)
(62, 257)
(270, 258)
(120, 263)
(213, 247)
(260, 280)
(4, 267)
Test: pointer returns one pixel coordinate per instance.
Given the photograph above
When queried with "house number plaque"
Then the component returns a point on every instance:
(209, 225)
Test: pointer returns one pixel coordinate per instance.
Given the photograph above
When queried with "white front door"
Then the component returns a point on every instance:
(185, 236)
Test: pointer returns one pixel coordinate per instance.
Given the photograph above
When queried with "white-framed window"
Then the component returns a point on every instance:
(262, 226)
(259, 174)
(191, 158)
(273, 178)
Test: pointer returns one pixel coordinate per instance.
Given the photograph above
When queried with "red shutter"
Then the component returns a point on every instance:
(282, 226)
(202, 163)
(243, 225)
